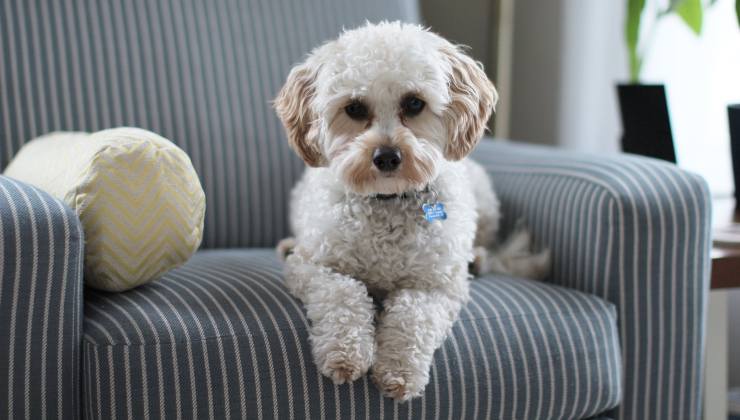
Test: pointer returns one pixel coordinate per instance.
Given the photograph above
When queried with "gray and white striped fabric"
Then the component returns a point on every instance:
(199, 73)
(40, 304)
(635, 232)
(220, 337)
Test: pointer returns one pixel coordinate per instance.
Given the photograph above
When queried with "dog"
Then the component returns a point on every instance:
(390, 208)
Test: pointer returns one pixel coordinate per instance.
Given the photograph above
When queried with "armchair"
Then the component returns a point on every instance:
(634, 231)
(617, 330)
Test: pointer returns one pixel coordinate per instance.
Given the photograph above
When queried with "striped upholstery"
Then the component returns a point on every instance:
(197, 72)
(635, 232)
(40, 304)
(220, 337)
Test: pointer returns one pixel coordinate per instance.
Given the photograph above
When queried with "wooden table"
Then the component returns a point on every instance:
(725, 276)
(725, 260)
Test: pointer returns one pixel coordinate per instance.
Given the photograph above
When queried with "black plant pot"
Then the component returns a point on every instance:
(733, 112)
(645, 121)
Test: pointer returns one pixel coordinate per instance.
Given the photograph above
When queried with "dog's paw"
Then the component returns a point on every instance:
(285, 247)
(479, 265)
(342, 368)
(344, 358)
(398, 384)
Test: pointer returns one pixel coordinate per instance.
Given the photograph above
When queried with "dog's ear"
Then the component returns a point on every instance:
(472, 100)
(293, 106)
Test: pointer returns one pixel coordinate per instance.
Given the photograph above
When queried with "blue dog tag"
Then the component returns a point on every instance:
(434, 211)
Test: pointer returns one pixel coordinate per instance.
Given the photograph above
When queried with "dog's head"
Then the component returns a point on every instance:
(383, 105)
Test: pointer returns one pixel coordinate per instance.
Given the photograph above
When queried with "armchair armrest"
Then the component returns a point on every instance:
(41, 259)
(634, 231)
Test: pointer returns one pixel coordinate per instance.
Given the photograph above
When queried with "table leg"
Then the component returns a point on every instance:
(715, 379)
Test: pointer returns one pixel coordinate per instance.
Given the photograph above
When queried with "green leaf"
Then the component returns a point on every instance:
(692, 13)
(632, 34)
(737, 10)
(673, 4)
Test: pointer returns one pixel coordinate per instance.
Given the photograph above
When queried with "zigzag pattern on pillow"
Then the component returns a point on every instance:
(136, 230)
(137, 195)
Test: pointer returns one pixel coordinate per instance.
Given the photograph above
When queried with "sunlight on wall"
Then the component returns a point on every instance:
(702, 76)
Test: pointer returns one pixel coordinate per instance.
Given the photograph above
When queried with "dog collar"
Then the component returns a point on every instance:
(432, 208)
(404, 195)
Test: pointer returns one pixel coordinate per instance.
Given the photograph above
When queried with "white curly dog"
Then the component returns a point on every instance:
(390, 208)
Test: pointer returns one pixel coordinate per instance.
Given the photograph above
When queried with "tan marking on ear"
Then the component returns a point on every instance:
(293, 106)
(472, 100)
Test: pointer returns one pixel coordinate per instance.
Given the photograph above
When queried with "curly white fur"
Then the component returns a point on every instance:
(350, 243)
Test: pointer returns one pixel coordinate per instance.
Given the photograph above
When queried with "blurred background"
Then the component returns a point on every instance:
(557, 64)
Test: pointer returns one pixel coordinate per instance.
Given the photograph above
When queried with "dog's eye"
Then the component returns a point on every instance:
(412, 106)
(356, 110)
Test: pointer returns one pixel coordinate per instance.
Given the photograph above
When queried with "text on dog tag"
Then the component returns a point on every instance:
(434, 211)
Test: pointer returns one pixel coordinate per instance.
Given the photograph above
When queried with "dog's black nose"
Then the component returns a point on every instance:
(386, 158)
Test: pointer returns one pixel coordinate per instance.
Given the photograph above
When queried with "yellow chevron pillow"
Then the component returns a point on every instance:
(137, 195)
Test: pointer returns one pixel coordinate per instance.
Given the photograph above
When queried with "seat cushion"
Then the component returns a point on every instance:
(221, 336)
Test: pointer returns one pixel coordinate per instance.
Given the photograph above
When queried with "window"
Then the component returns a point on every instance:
(702, 76)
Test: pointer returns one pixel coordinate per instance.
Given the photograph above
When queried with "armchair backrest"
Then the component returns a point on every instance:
(200, 73)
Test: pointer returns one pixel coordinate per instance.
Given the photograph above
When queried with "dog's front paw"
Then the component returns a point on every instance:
(399, 384)
(346, 357)
(285, 247)
(341, 367)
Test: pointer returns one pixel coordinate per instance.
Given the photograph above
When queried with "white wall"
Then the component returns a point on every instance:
(568, 58)
(476, 24)
(536, 71)
(594, 61)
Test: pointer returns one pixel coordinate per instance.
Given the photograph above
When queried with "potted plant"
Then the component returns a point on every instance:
(644, 110)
